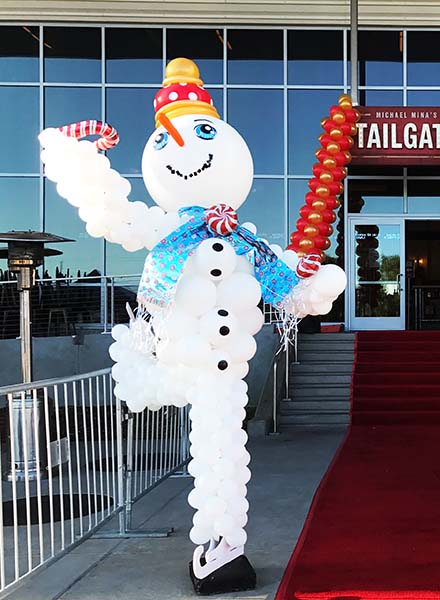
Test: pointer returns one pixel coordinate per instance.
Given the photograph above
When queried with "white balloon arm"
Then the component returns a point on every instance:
(86, 180)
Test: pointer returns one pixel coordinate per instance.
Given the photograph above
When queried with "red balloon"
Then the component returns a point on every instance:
(310, 198)
(340, 159)
(296, 237)
(328, 216)
(314, 184)
(320, 241)
(322, 154)
(328, 125)
(351, 115)
(335, 188)
(317, 169)
(345, 143)
(332, 202)
(300, 224)
(339, 173)
(305, 210)
(345, 128)
(324, 229)
(325, 140)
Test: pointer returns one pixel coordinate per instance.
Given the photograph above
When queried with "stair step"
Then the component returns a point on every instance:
(327, 336)
(327, 356)
(313, 406)
(326, 346)
(318, 393)
(286, 421)
(320, 379)
(409, 358)
(321, 369)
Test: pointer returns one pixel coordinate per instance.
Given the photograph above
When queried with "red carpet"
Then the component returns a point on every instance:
(373, 530)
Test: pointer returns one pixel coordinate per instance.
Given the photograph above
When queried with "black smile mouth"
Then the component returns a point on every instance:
(205, 166)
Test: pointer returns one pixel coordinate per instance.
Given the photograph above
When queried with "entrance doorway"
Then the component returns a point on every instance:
(376, 273)
(394, 273)
(422, 274)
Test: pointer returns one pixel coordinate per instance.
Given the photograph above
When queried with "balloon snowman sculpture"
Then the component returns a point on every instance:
(193, 332)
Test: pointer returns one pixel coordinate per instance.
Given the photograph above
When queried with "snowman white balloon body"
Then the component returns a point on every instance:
(193, 334)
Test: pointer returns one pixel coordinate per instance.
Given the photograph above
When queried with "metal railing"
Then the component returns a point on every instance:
(72, 457)
(65, 306)
(426, 307)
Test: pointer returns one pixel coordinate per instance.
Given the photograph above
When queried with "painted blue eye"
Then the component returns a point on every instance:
(160, 141)
(205, 131)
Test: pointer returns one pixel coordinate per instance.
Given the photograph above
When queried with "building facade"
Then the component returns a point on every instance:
(273, 69)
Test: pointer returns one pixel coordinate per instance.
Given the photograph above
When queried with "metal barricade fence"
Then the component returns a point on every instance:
(72, 457)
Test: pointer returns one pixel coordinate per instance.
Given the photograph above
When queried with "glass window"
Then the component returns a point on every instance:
(217, 98)
(20, 202)
(380, 98)
(298, 189)
(133, 55)
(118, 260)
(424, 196)
(255, 56)
(19, 50)
(204, 46)
(85, 253)
(306, 109)
(20, 150)
(375, 196)
(265, 208)
(134, 125)
(423, 57)
(68, 105)
(424, 98)
(72, 54)
(315, 57)
(380, 58)
(247, 111)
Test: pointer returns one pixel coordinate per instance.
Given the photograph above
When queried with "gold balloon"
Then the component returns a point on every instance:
(326, 177)
(319, 205)
(314, 217)
(333, 147)
(345, 102)
(335, 133)
(326, 244)
(329, 163)
(322, 191)
(338, 117)
(324, 120)
(311, 230)
(353, 130)
(305, 244)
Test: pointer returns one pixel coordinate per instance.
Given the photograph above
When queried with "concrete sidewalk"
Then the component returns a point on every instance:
(286, 470)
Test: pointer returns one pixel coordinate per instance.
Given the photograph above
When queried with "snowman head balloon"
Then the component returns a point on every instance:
(193, 157)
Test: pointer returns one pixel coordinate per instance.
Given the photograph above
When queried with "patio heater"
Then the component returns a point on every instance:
(25, 252)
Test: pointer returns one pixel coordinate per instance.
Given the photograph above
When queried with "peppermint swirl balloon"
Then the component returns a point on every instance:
(221, 219)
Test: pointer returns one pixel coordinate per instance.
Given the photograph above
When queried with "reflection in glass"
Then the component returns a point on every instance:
(20, 202)
(380, 58)
(133, 55)
(263, 134)
(423, 57)
(377, 248)
(20, 152)
(424, 98)
(375, 196)
(424, 196)
(204, 46)
(131, 112)
(85, 254)
(265, 208)
(64, 105)
(381, 98)
(306, 109)
(255, 56)
(19, 50)
(298, 189)
(118, 260)
(72, 54)
(315, 57)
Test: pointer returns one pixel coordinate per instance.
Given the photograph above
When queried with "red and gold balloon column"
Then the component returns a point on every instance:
(314, 227)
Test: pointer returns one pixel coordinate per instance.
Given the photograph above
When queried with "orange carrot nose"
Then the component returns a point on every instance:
(166, 122)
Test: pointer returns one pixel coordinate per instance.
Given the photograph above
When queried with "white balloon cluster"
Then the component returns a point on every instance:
(316, 294)
(198, 352)
(86, 180)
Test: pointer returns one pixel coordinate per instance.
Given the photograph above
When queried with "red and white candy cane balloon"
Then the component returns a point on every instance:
(109, 136)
